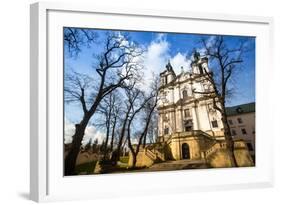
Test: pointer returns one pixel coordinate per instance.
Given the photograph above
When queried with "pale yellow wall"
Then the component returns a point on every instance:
(221, 158)
(248, 123)
(194, 148)
(142, 160)
(85, 157)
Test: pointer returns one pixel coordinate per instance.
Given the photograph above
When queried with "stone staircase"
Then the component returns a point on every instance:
(154, 153)
(178, 165)
(213, 154)
(214, 148)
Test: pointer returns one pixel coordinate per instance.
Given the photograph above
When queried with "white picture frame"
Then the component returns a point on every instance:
(46, 177)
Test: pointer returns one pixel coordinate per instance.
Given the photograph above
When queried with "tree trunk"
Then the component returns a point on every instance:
(117, 157)
(70, 160)
(228, 138)
(133, 152)
(144, 139)
(134, 160)
(113, 133)
(106, 139)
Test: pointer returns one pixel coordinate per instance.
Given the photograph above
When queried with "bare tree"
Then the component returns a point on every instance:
(129, 106)
(147, 105)
(114, 66)
(116, 112)
(150, 113)
(88, 146)
(109, 110)
(152, 128)
(226, 62)
(75, 38)
(95, 146)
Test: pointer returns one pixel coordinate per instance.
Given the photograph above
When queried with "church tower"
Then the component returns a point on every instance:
(167, 75)
(199, 64)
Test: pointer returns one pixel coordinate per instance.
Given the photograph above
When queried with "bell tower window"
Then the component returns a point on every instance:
(166, 131)
(187, 113)
(184, 94)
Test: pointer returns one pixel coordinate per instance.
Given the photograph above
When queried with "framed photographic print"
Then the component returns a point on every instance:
(130, 102)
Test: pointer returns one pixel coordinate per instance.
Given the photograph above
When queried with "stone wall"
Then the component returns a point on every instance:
(221, 157)
(85, 157)
(200, 147)
(142, 160)
(193, 144)
(242, 154)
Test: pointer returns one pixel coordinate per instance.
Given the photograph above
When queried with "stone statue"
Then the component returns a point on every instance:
(169, 66)
(196, 55)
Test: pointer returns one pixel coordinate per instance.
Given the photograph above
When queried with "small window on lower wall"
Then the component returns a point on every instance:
(215, 123)
(250, 147)
(233, 132)
(243, 130)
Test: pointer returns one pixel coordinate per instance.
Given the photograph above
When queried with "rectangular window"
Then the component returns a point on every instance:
(166, 131)
(187, 113)
(233, 132)
(210, 107)
(239, 120)
(230, 122)
(188, 125)
(250, 147)
(214, 123)
(165, 117)
(243, 130)
(188, 128)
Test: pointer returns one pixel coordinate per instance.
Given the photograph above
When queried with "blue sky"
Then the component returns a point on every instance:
(161, 47)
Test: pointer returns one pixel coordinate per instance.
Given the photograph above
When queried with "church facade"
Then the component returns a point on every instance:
(189, 128)
(187, 120)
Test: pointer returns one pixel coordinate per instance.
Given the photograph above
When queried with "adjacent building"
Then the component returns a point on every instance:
(241, 119)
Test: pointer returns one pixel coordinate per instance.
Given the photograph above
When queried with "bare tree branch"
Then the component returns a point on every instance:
(115, 65)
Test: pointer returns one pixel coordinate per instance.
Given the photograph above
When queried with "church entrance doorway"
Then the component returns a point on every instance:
(185, 151)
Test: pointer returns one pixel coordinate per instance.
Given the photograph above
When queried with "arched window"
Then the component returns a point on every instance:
(185, 151)
(184, 94)
(166, 131)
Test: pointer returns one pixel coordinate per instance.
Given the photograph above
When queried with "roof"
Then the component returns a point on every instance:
(239, 109)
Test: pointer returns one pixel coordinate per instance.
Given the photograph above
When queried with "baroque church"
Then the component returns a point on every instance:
(184, 114)
(189, 128)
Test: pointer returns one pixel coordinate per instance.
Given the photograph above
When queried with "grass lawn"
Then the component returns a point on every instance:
(86, 168)
(124, 159)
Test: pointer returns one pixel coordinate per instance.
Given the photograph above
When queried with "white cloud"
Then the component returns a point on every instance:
(157, 56)
(90, 133)
(180, 60)
(155, 59)
(69, 130)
